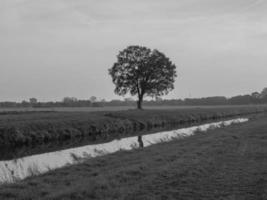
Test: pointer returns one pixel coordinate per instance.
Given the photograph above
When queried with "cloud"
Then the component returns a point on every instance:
(66, 38)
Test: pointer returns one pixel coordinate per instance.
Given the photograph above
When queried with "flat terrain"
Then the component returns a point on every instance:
(228, 163)
(68, 109)
(115, 108)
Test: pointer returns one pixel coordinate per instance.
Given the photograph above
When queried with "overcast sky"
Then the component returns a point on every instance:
(51, 49)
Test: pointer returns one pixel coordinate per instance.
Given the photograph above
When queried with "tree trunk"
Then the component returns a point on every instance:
(139, 103)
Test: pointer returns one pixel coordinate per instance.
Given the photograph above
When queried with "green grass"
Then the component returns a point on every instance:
(42, 127)
(227, 163)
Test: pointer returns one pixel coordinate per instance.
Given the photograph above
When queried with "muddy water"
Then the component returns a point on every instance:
(21, 168)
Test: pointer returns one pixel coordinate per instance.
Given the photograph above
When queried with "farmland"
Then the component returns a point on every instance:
(227, 163)
(112, 108)
(31, 128)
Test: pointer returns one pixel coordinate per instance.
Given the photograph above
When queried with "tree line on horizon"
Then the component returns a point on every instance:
(254, 98)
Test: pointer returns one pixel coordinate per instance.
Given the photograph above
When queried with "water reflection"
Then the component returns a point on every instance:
(21, 168)
(13, 152)
(140, 141)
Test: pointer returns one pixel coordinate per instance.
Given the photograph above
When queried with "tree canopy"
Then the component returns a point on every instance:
(141, 71)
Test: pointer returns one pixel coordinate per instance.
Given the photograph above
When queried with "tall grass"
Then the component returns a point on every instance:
(37, 128)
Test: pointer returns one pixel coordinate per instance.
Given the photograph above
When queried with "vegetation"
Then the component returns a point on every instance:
(227, 163)
(93, 102)
(41, 127)
(141, 71)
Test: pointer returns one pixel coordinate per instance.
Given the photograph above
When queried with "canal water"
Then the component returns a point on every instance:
(21, 168)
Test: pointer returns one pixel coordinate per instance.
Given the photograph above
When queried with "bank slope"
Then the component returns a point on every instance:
(228, 163)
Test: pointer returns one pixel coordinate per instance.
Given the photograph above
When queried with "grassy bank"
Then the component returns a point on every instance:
(228, 163)
(42, 127)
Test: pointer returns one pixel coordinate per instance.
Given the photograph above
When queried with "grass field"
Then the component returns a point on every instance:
(228, 163)
(115, 108)
(30, 128)
(67, 109)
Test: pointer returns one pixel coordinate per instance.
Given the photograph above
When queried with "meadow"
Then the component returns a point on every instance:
(226, 163)
(112, 108)
(19, 128)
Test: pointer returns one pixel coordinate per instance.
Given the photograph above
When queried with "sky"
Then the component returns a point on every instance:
(52, 49)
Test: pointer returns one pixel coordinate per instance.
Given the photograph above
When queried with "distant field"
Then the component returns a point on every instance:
(31, 128)
(115, 108)
(68, 109)
(228, 163)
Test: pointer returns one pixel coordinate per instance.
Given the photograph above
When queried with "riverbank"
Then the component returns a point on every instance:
(17, 169)
(227, 163)
(43, 127)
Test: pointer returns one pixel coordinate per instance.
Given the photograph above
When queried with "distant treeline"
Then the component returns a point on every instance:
(254, 98)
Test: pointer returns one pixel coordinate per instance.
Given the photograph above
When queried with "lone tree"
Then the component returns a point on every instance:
(142, 71)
